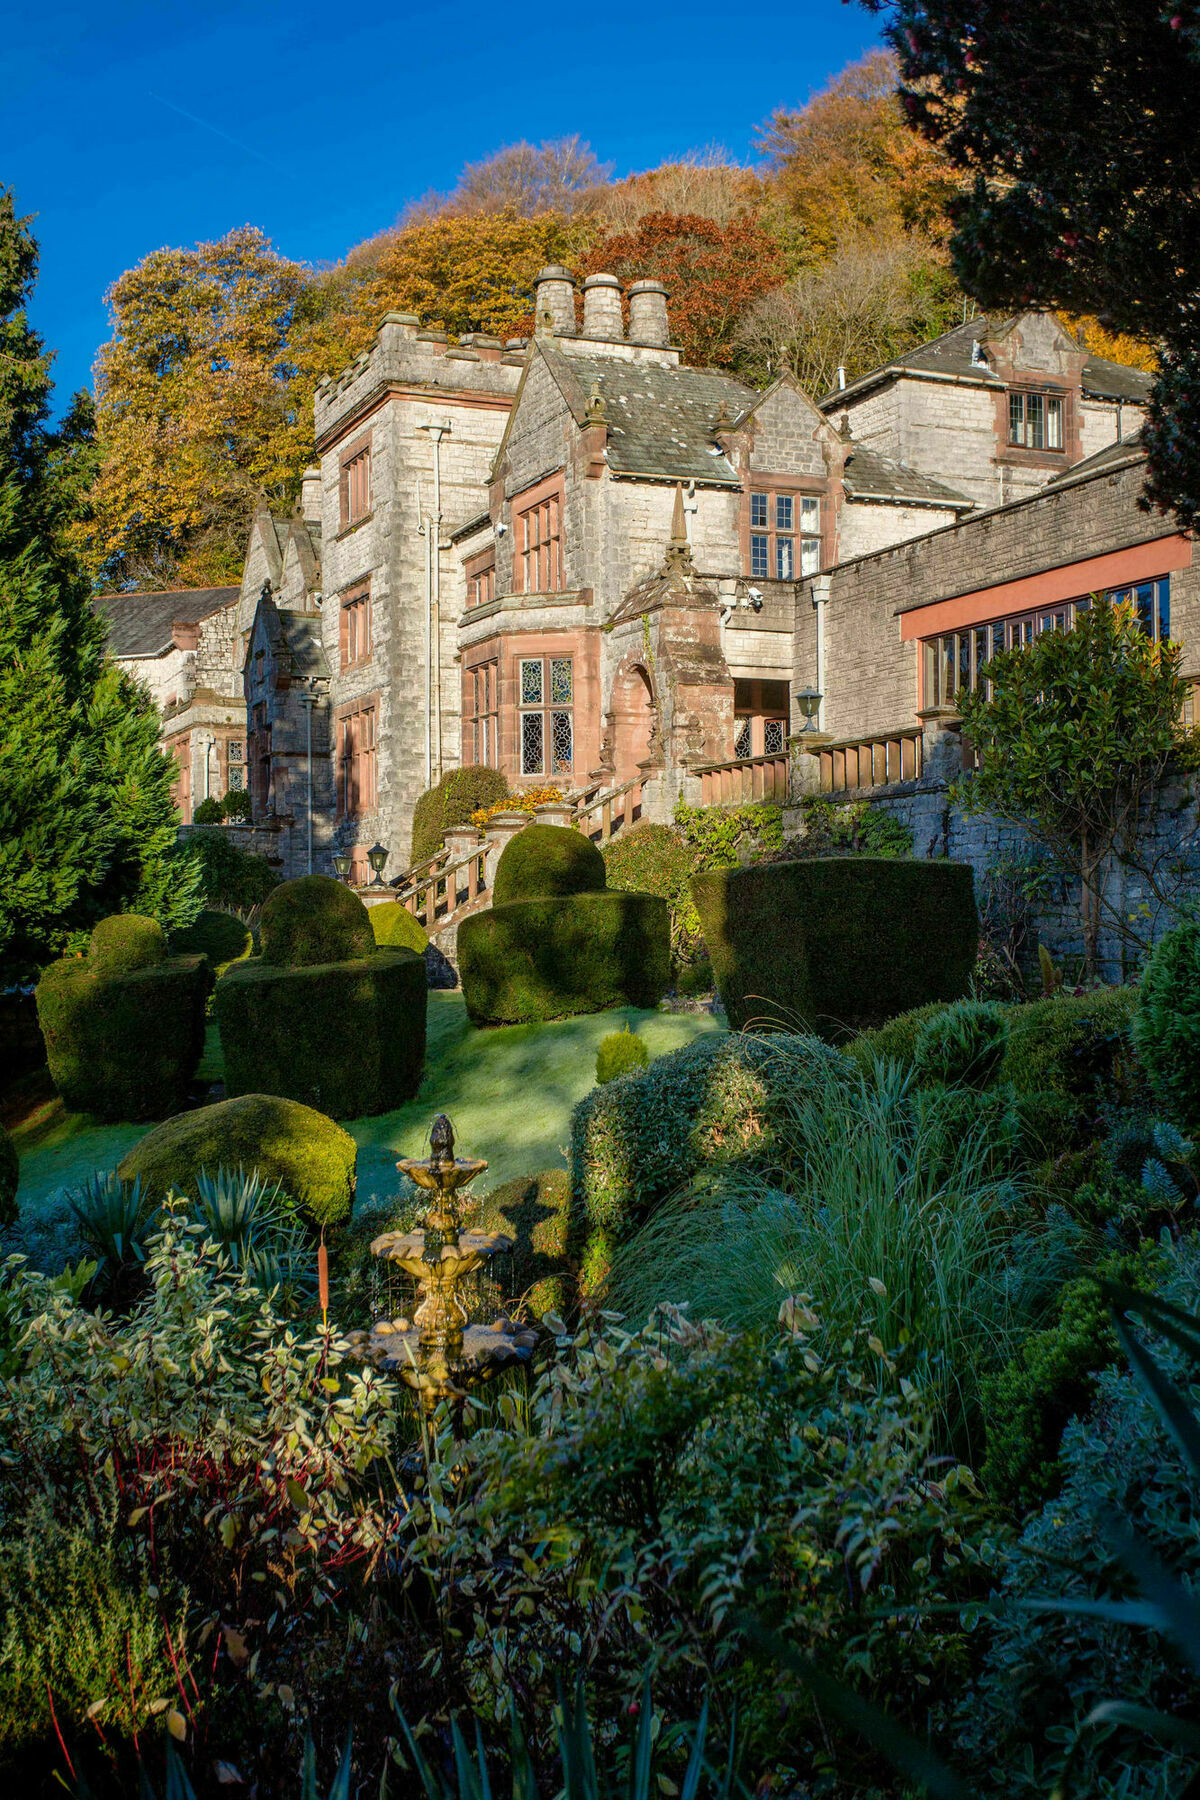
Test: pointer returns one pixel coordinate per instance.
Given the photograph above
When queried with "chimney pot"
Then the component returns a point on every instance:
(648, 314)
(602, 308)
(554, 294)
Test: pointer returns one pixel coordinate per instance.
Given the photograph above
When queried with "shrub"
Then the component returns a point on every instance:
(221, 937)
(237, 805)
(963, 1045)
(896, 1039)
(719, 836)
(124, 1026)
(311, 1158)
(836, 945)
(653, 859)
(457, 795)
(849, 828)
(535, 1211)
(1166, 1026)
(346, 1037)
(208, 812)
(620, 1053)
(547, 959)
(229, 875)
(114, 1219)
(716, 1102)
(1062, 1055)
(395, 928)
(547, 862)
(526, 800)
(314, 920)
(10, 1176)
(1052, 1379)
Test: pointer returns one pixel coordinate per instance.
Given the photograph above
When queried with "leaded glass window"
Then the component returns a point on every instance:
(531, 743)
(560, 681)
(561, 742)
(772, 737)
(531, 683)
(741, 742)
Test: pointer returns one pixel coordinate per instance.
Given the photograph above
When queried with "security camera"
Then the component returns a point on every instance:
(501, 530)
(755, 597)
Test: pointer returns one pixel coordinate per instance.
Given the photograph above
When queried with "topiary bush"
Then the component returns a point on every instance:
(535, 1211)
(548, 959)
(311, 1158)
(229, 875)
(124, 1026)
(314, 920)
(620, 1053)
(962, 1045)
(395, 928)
(10, 1175)
(548, 862)
(208, 812)
(1063, 1054)
(457, 795)
(220, 937)
(345, 1037)
(837, 945)
(1166, 1026)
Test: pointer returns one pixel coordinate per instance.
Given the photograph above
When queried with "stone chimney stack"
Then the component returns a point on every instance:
(648, 314)
(554, 294)
(310, 496)
(602, 308)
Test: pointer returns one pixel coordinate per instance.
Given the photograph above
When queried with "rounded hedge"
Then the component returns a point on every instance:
(311, 1157)
(124, 1027)
(548, 862)
(1166, 1026)
(346, 1037)
(220, 936)
(548, 959)
(457, 795)
(395, 928)
(535, 1211)
(125, 942)
(837, 944)
(10, 1174)
(314, 920)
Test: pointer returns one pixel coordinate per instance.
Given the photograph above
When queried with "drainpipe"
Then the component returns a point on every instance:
(437, 433)
(308, 701)
(424, 530)
(821, 586)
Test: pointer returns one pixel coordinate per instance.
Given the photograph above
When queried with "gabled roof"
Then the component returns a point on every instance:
(1106, 461)
(871, 476)
(661, 420)
(953, 354)
(140, 624)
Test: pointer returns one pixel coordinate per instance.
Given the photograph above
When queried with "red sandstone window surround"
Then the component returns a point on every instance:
(484, 698)
(546, 692)
(355, 482)
(481, 582)
(1035, 419)
(356, 629)
(537, 565)
(357, 728)
(760, 723)
(785, 532)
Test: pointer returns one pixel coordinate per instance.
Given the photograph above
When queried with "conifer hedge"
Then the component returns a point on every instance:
(837, 945)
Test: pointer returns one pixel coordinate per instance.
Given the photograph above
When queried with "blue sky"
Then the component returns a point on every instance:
(130, 126)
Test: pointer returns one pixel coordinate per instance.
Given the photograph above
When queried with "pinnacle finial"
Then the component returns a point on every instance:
(595, 406)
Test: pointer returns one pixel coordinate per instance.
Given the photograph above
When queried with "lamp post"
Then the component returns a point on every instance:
(809, 700)
(341, 864)
(377, 857)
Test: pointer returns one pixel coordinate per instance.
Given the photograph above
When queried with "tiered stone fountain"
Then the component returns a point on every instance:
(440, 1353)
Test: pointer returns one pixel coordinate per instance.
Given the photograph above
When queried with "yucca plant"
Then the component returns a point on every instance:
(634, 1777)
(255, 1225)
(116, 1221)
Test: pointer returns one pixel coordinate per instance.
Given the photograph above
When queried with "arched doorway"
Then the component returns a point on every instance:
(633, 721)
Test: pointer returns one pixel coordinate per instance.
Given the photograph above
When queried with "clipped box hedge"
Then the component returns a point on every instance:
(313, 1159)
(547, 959)
(347, 1038)
(837, 945)
(124, 1025)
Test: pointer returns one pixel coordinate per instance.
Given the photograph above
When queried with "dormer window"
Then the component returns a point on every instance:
(1035, 420)
(785, 535)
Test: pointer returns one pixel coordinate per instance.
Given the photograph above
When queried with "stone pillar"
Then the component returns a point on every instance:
(555, 812)
(554, 302)
(460, 839)
(804, 776)
(941, 749)
(648, 314)
(501, 828)
(602, 308)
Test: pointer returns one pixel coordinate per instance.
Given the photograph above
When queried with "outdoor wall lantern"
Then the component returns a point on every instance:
(341, 864)
(377, 856)
(810, 705)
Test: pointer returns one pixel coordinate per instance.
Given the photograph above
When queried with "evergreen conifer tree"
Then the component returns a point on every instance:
(87, 820)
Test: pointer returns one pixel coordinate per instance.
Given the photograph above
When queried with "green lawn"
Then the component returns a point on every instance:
(509, 1093)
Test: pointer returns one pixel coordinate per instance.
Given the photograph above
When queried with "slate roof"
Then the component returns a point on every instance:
(1114, 456)
(951, 354)
(872, 476)
(140, 624)
(660, 419)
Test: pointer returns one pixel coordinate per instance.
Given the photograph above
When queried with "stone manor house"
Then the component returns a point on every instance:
(581, 561)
